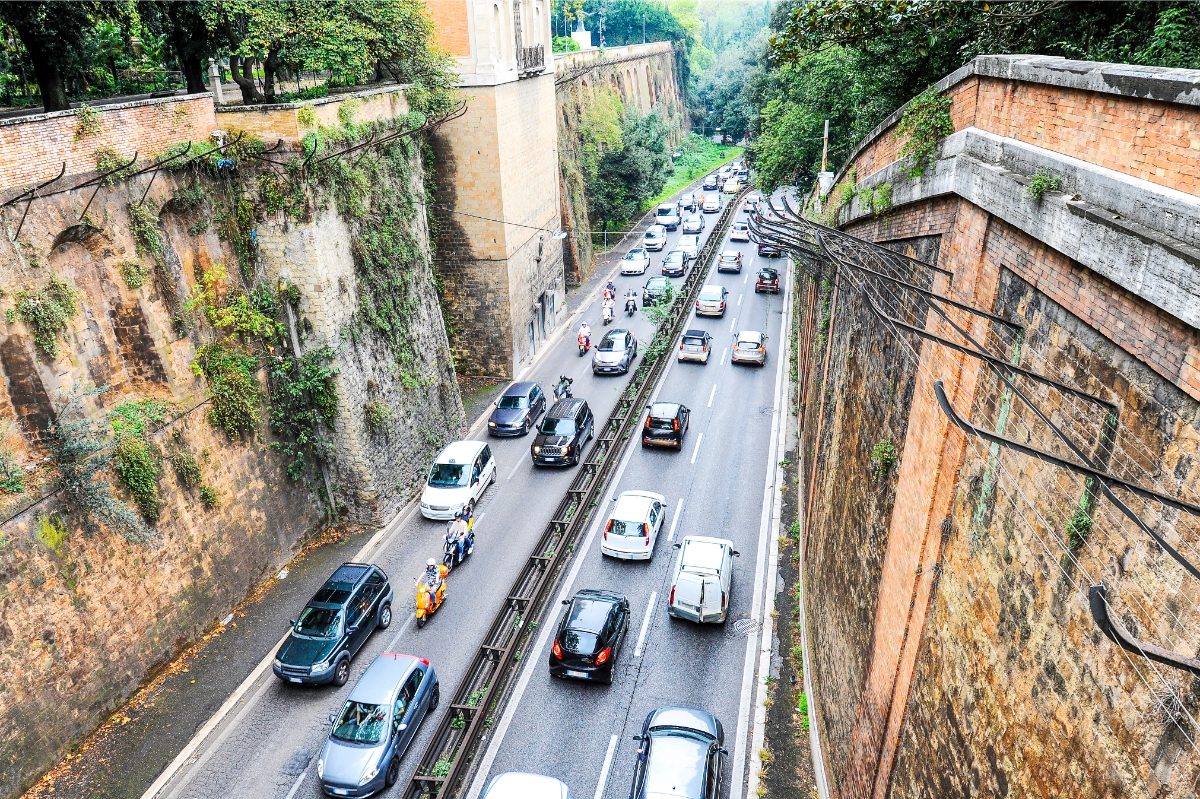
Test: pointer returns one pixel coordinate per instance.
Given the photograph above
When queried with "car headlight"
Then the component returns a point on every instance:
(491, 424)
(370, 775)
(322, 665)
(321, 768)
(537, 450)
(278, 663)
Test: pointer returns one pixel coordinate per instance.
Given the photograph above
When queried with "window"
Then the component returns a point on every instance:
(358, 607)
(319, 623)
(374, 586)
(407, 693)
(447, 475)
(360, 723)
(487, 454)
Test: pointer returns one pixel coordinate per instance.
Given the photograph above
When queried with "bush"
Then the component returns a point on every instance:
(134, 274)
(563, 44)
(236, 393)
(187, 468)
(377, 415)
(12, 476)
(47, 311)
(208, 497)
(139, 465)
(1042, 181)
(924, 123)
(883, 456)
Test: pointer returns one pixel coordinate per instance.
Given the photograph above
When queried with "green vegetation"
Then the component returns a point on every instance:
(232, 379)
(87, 123)
(143, 220)
(47, 311)
(377, 415)
(1079, 526)
(563, 44)
(134, 274)
(924, 123)
(12, 476)
(1042, 181)
(109, 160)
(186, 467)
(303, 399)
(52, 533)
(137, 462)
(700, 156)
(208, 497)
(883, 458)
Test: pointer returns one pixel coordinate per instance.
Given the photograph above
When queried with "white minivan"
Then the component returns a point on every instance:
(700, 589)
(460, 474)
(667, 215)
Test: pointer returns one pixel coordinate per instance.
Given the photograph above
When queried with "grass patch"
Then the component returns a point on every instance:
(700, 156)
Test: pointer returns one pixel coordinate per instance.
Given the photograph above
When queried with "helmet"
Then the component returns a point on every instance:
(431, 563)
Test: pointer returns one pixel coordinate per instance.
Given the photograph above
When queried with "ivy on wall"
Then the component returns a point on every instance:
(47, 311)
(924, 123)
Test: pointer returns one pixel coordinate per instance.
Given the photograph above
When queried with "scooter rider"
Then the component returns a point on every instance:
(630, 301)
(433, 574)
(563, 389)
(607, 310)
(585, 334)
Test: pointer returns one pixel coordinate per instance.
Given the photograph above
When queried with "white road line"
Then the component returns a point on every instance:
(740, 300)
(746, 279)
(696, 451)
(637, 650)
(299, 780)
(733, 325)
(608, 759)
(712, 394)
(764, 576)
(513, 473)
(722, 361)
(675, 519)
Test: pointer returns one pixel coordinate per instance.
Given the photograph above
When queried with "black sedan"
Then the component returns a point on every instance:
(517, 410)
(590, 635)
(768, 250)
(656, 289)
(681, 755)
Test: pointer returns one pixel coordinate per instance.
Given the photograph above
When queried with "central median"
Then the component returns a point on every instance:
(449, 758)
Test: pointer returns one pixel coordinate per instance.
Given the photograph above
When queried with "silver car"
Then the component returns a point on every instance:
(615, 353)
(376, 725)
(693, 224)
(695, 345)
(749, 346)
(690, 244)
(522, 785)
(635, 262)
(711, 301)
(655, 238)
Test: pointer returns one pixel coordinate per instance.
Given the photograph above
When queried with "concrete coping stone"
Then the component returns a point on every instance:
(333, 98)
(67, 112)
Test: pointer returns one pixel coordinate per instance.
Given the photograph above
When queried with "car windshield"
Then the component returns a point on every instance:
(612, 344)
(514, 402)
(673, 256)
(319, 623)
(656, 285)
(707, 293)
(448, 475)
(694, 341)
(558, 427)
(360, 723)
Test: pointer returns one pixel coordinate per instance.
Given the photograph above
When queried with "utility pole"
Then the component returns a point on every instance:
(824, 177)
(825, 149)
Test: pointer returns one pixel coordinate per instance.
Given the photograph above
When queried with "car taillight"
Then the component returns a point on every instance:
(607, 529)
(602, 658)
(557, 650)
(697, 304)
(675, 424)
(681, 345)
(723, 598)
(671, 598)
(646, 531)
(647, 422)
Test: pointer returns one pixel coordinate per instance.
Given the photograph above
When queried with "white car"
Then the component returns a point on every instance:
(667, 215)
(732, 186)
(726, 172)
(693, 223)
(739, 232)
(712, 203)
(655, 238)
(690, 244)
(460, 474)
(701, 587)
(522, 785)
(635, 262)
(633, 526)
(711, 301)
(688, 203)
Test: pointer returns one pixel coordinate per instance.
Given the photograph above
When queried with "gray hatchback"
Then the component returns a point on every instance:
(682, 755)
(376, 725)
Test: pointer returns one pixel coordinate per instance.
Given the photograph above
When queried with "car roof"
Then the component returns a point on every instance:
(519, 389)
(638, 248)
(657, 280)
(703, 551)
(337, 589)
(695, 332)
(564, 408)
(459, 452)
(749, 335)
(634, 505)
(523, 785)
(665, 409)
(615, 332)
(379, 682)
(675, 251)
(740, 225)
(590, 610)
(677, 767)
(666, 206)
(655, 229)
(710, 288)
(690, 718)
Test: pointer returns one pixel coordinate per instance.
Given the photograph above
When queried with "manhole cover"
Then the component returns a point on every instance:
(745, 626)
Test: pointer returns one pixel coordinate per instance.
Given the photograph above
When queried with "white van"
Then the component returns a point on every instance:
(700, 589)
(519, 785)
(460, 474)
(667, 215)
(712, 203)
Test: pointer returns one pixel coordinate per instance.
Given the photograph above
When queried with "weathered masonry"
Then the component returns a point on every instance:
(497, 185)
(953, 649)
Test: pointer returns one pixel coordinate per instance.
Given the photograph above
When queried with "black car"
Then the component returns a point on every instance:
(355, 601)
(564, 431)
(615, 353)
(681, 754)
(590, 635)
(655, 289)
(666, 425)
(710, 182)
(768, 250)
(675, 263)
(517, 410)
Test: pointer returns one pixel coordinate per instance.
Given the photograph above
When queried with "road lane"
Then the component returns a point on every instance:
(561, 728)
(268, 746)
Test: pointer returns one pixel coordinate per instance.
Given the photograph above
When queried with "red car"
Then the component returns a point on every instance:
(767, 280)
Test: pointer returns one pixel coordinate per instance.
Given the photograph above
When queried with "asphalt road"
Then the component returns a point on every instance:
(582, 733)
(267, 745)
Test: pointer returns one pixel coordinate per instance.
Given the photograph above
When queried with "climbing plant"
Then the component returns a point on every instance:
(143, 223)
(303, 399)
(137, 461)
(883, 458)
(925, 122)
(237, 396)
(47, 311)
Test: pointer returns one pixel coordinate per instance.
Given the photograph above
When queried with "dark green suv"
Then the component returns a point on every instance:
(354, 602)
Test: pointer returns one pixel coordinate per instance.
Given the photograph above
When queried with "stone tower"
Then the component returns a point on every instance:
(496, 171)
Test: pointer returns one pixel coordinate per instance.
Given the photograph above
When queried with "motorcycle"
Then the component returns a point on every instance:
(630, 306)
(563, 389)
(430, 597)
(455, 549)
(585, 344)
(607, 315)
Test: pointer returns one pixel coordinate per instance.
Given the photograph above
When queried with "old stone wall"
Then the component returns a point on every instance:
(85, 613)
(645, 78)
(954, 650)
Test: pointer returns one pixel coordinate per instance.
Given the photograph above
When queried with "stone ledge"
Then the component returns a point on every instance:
(1131, 249)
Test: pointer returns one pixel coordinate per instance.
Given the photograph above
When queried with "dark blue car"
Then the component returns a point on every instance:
(517, 410)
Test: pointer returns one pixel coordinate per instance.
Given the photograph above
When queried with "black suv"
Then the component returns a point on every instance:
(590, 636)
(563, 432)
(355, 601)
(666, 425)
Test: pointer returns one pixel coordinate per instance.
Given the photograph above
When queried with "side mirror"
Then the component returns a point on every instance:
(737, 554)
(401, 727)
(677, 545)
(637, 737)
(291, 622)
(566, 601)
(332, 718)
(723, 750)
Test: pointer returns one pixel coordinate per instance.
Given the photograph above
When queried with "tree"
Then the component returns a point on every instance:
(183, 25)
(628, 175)
(52, 34)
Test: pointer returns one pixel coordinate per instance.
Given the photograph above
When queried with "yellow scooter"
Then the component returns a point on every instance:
(430, 597)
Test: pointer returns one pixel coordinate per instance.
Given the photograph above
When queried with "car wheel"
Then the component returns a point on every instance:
(341, 672)
(385, 617)
(392, 773)
(436, 698)
(421, 623)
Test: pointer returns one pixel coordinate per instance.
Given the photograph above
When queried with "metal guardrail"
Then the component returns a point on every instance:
(447, 760)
